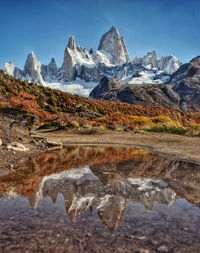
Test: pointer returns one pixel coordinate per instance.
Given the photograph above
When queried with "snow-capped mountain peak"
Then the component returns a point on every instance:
(83, 69)
(75, 55)
(169, 64)
(32, 69)
(31, 63)
(112, 43)
(114, 30)
(72, 43)
(150, 58)
(9, 68)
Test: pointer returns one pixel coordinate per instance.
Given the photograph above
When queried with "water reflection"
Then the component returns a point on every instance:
(106, 180)
(83, 190)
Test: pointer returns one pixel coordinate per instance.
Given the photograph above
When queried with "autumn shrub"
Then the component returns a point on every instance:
(73, 124)
(141, 121)
(3, 90)
(78, 112)
(50, 108)
(168, 128)
(193, 129)
(51, 124)
(102, 111)
(161, 119)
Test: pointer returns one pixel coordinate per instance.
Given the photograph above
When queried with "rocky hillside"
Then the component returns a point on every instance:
(55, 108)
(186, 83)
(181, 92)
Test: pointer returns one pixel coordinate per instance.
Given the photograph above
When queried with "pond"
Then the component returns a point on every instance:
(101, 199)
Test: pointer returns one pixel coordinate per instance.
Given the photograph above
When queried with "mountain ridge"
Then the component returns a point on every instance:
(110, 59)
(181, 92)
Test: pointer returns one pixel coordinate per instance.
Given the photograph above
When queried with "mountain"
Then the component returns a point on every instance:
(181, 92)
(186, 83)
(9, 68)
(32, 69)
(168, 64)
(105, 85)
(82, 69)
(50, 71)
(147, 94)
(112, 43)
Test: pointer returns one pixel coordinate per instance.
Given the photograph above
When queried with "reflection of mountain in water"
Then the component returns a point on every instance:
(113, 177)
(83, 190)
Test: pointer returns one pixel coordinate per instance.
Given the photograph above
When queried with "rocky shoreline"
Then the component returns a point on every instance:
(14, 153)
(173, 146)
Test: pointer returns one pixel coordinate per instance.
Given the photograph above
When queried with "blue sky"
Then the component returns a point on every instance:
(169, 26)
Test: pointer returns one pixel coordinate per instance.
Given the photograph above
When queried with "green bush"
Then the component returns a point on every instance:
(49, 108)
(167, 128)
(51, 124)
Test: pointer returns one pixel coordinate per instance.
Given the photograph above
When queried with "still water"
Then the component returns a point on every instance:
(101, 199)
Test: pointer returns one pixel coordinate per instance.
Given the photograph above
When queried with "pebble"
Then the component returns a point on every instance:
(130, 236)
(143, 251)
(11, 166)
(154, 242)
(163, 249)
(141, 238)
(88, 235)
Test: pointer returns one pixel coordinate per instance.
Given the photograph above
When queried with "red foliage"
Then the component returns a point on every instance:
(48, 105)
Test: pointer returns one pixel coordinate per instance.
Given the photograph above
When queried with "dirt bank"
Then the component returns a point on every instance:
(16, 144)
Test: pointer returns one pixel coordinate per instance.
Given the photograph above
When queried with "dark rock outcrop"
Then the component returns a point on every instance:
(151, 94)
(104, 86)
(182, 92)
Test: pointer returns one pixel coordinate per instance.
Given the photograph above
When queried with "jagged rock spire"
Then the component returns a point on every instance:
(111, 59)
(53, 66)
(9, 68)
(32, 68)
(53, 61)
(72, 43)
(150, 58)
(114, 29)
(112, 43)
